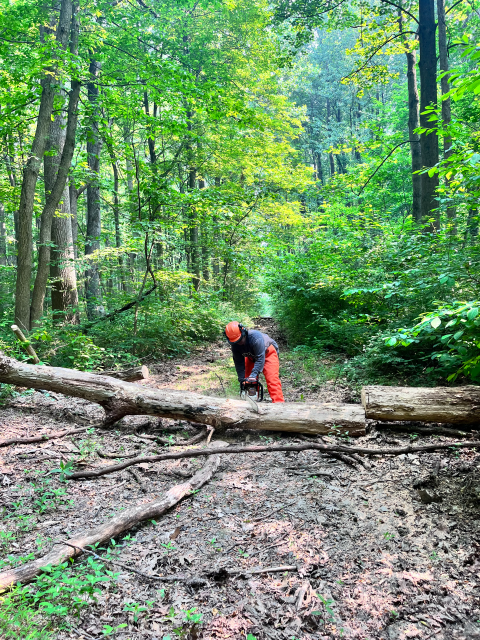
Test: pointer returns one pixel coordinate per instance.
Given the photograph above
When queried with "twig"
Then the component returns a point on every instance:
(42, 438)
(311, 470)
(286, 567)
(137, 477)
(283, 506)
(221, 382)
(196, 438)
(365, 463)
(323, 448)
(210, 434)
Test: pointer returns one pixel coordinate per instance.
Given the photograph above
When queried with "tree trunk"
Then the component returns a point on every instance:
(73, 197)
(428, 98)
(414, 123)
(455, 405)
(30, 176)
(62, 142)
(3, 237)
(94, 220)
(113, 527)
(62, 268)
(194, 243)
(446, 106)
(120, 398)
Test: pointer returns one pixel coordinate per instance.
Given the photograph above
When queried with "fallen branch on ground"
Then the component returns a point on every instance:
(324, 448)
(123, 521)
(42, 438)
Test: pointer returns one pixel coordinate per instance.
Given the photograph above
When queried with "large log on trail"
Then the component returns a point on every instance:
(121, 522)
(455, 405)
(120, 398)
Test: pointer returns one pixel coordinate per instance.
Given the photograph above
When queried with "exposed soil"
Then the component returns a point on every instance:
(391, 552)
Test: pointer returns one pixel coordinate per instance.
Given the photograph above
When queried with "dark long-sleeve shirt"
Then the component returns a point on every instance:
(254, 348)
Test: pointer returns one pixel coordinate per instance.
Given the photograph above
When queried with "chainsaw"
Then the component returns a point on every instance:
(251, 391)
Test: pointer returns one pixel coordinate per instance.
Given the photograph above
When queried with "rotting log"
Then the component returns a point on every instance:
(119, 398)
(120, 523)
(129, 375)
(454, 405)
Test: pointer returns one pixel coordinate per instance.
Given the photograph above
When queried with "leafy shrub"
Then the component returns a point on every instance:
(452, 334)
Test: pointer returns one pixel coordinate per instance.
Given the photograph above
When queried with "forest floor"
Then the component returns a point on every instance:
(392, 552)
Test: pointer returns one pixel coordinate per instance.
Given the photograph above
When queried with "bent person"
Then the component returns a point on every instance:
(255, 352)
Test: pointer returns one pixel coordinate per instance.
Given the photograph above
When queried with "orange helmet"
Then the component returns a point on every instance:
(234, 331)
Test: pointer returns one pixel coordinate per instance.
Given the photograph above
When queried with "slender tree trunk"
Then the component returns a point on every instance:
(205, 244)
(414, 123)
(3, 237)
(216, 239)
(94, 220)
(446, 106)
(73, 198)
(30, 175)
(194, 235)
(428, 98)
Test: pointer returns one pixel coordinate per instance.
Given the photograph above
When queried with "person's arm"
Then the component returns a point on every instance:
(239, 362)
(258, 348)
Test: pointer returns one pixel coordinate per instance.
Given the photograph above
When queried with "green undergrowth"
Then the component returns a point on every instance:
(54, 600)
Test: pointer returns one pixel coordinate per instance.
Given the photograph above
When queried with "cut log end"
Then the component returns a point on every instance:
(452, 405)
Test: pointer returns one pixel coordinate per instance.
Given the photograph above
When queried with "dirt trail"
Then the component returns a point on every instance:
(389, 553)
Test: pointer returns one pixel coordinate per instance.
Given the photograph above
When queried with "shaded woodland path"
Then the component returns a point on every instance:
(388, 552)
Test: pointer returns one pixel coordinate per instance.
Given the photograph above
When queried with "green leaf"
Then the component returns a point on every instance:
(391, 342)
(473, 313)
(436, 322)
(458, 335)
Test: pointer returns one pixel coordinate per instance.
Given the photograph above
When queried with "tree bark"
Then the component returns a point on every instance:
(30, 175)
(446, 105)
(454, 405)
(414, 123)
(113, 527)
(3, 237)
(62, 267)
(120, 398)
(129, 375)
(94, 219)
(428, 98)
(56, 172)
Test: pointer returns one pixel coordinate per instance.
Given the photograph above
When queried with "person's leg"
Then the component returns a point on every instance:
(248, 367)
(271, 373)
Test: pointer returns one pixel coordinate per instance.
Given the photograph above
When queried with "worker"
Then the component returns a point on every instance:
(253, 353)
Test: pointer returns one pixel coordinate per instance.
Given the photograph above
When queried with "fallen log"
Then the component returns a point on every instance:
(119, 398)
(123, 521)
(85, 474)
(454, 405)
(129, 375)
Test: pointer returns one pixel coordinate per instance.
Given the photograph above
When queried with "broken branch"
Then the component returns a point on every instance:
(42, 438)
(325, 448)
(121, 522)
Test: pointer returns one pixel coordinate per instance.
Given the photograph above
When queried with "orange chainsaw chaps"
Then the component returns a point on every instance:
(271, 373)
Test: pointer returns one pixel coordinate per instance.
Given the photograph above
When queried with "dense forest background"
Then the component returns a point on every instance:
(166, 167)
